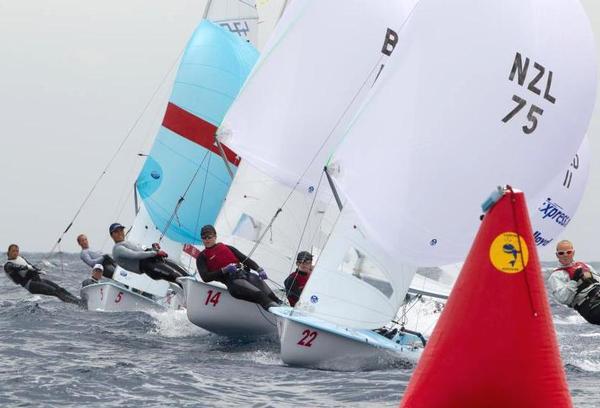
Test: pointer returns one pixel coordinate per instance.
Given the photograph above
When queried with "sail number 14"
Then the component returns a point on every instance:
(212, 298)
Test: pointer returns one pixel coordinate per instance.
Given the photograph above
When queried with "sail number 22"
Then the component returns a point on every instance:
(308, 337)
(520, 68)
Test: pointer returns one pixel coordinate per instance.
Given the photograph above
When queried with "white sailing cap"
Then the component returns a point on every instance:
(98, 266)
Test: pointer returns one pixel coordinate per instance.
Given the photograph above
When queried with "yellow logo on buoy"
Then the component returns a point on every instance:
(507, 255)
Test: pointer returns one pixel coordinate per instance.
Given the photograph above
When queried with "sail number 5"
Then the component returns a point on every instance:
(212, 298)
(308, 337)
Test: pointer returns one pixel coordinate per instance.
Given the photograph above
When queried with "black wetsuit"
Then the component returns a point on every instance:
(135, 259)
(243, 284)
(30, 279)
(162, 269)
(590, 308)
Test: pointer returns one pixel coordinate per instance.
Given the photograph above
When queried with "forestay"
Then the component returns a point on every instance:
(477, 95)
(184, 180)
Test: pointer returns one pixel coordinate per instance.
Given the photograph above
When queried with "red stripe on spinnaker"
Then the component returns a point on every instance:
(195, 129)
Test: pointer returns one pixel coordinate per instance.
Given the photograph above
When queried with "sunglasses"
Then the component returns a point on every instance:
(561, 253)
(209, 236)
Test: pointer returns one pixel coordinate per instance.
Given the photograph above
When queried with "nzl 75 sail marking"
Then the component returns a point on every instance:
(195, 129)
(520, 69)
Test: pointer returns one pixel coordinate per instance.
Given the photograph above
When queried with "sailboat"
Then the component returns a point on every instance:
(187, 174)
(436, 140)
(278, 202)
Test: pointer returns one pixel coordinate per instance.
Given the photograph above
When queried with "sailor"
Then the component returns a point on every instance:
(295, 282)
(576, 284)
(226, 264)
(136, 259)
(97, 273)
(23, 273)
(92, 258)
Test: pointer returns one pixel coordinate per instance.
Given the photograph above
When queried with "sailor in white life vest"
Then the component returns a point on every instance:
(576, 284)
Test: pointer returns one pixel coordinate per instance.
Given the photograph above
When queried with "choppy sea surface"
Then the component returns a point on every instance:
(57, 355)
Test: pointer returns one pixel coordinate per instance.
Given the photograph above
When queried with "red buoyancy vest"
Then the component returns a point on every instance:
(219, 256)
(571, 268)
(299, 282)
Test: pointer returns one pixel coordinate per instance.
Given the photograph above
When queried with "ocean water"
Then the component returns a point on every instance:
(57, 355)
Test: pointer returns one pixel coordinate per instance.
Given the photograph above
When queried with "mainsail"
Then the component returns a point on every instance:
(237, 16)
(314, 75)
(312, 91)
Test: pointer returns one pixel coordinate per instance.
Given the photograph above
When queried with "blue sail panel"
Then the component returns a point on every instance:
(184, 181)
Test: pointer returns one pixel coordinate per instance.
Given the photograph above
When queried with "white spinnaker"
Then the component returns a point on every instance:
(333, 292)
(313, 74)
(238, 16)
(436, 136)
(552, 210)
(251, 203)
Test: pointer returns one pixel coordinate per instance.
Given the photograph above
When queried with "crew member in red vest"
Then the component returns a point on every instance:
(226, 264)
(575, 284)
(294, 284)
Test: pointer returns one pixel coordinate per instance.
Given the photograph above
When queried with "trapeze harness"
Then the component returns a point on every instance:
(243, 284)
(589, 307)
(294, 284)
(19, 271)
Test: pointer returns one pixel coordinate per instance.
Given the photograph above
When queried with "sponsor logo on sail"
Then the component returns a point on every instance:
(555, 212)
(540, 240)
(509, 253)
(314, 299)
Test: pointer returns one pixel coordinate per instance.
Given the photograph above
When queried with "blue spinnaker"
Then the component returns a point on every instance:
(184, 160)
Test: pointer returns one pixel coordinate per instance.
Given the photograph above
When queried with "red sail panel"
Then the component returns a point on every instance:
(197, 130)
(494, 345)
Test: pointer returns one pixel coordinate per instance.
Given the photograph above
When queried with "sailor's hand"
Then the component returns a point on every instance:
(162, 254)
(229, 269)
(262, 274)
(156, 246)
(587, 275)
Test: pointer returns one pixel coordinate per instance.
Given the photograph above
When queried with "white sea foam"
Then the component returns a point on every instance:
(174, 323)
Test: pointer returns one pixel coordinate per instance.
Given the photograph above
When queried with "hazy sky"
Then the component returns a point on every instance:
(74, 77)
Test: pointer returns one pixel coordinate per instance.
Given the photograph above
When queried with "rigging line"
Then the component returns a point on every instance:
(180, 201)
(312, 204)
(114, 156)
(201, 202)
(337, 123)
(333, 129)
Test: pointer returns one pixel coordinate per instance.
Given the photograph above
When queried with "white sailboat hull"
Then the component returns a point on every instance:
(112, 297)
(308, 342)
(214, 309)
